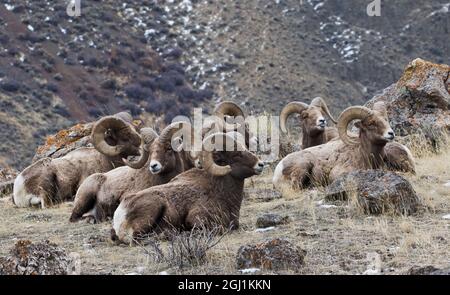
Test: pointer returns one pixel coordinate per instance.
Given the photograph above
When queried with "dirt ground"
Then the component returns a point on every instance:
(338, 239)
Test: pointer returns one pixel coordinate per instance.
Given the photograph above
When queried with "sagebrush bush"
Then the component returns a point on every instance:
(137, 92)
(185, 249)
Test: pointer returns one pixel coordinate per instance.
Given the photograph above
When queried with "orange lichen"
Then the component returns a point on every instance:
(65, 137)
(417, 72)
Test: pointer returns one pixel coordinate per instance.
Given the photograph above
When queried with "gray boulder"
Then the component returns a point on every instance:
(276, 254)
(44, 258)
(376, 191)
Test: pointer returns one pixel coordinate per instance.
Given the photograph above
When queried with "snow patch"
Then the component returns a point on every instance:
(9, 7)
(249, 270)
(261, 230)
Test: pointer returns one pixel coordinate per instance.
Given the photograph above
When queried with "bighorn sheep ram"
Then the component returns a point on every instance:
(211, 196)
(100, 194)
(229, 117)
(312, 119)
(372, 149)
(49, 181)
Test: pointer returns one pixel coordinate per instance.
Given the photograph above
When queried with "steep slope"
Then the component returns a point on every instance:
(164, 57)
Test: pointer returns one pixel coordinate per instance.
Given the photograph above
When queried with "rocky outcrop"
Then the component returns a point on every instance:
(419, 103)
(277, 254)
(65, 141)
(44, 258)
(376, 192)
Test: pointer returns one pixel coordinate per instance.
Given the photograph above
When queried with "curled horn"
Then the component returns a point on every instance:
(208, 159)
(231, 109)
(125, 116)
(320, 102)
(347, 116)
(148, 136)
(119, 127)
(228, 108)
(380, 107)
(291, 108)
(169, 131)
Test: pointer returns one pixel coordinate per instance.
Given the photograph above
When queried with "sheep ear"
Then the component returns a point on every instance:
(358, 124)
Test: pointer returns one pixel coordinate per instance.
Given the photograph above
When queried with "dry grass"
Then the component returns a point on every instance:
(338, 239)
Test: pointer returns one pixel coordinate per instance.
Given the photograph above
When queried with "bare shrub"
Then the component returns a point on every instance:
(184, 249)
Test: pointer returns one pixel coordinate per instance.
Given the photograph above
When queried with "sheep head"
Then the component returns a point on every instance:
(312, 116)
(164, 149)
(373, 125)
(219, 160)
(148, 136)
(116, 136)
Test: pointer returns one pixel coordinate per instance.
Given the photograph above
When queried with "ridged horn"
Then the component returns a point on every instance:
(169, 131)
(119, 127)
(295, 107)
(228, 108)
(148, 136)
(208, 159)
(231, 109)
(347, 116)
(320, 102)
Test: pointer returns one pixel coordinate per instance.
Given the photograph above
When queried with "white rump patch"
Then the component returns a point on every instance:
(278, 173)
(20, 195)
(119, 218)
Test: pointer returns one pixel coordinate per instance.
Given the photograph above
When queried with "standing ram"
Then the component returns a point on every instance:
(100, 194)
(209, 196)
(49, 181)
(323, 164)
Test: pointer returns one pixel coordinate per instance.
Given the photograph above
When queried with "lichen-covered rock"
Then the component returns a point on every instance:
(44, 258)
(428, 271)
(269, 219)
(419, 103)
(65, 141)
(376, 192)
(7, 176)
(276, 254)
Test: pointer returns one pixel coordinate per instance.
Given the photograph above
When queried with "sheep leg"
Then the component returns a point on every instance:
(48, 188)
(301, 175)
(86, 197)
(148, 218)
(398, 158)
